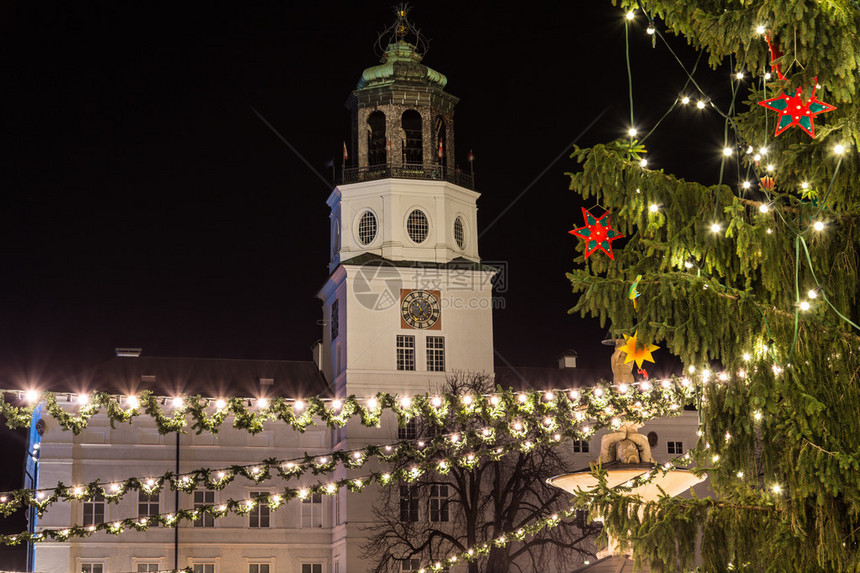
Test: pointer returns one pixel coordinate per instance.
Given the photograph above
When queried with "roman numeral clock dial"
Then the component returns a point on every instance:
(420, 309)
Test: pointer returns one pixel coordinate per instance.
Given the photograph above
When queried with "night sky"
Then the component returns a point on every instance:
(145, 204)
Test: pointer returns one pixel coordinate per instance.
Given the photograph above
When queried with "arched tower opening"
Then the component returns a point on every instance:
(376, 139)
(413, 139)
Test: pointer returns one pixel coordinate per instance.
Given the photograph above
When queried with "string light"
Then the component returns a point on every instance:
(760, 30)
(685, 100)
(643, 162)
(767, 76)
(804, 305)
(715, 227)
(700, 104)
(177, 402)
(746, 184)
(262, 403)
(630, 15)
(818, 226)
(220, 403)
(839, 149)
(764, 208)
(650, 30)
(632, 132)
(133, 402)
(654, 208)
(727, 151)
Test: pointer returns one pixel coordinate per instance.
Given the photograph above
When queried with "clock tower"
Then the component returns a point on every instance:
(407, 302)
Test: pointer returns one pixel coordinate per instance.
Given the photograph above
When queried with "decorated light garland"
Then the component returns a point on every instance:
(440, 464)
(479, 443)
(335, 413)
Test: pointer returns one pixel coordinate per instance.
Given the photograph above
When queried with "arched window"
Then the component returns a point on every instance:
(440, 141)
(413, 143)
(376, 140)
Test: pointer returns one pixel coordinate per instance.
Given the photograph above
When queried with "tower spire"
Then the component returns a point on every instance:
(401, 31)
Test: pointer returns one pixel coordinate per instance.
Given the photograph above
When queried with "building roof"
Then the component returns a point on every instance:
(211, 377)
(459, 263)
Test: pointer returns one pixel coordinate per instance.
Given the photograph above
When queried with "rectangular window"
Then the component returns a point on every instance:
(92, 568)
(312, 511)
(580, 447)
(435, 353)
(147, 504)
(94, 511)
(311, 567)
(675, 447)
(408, 503)
(258, 568)
(204, 568)
(439, 503)
(204, 498)
(336, 503)
(335, 319)
(409, 431)
(410, 565)
(147, 567)
(405, 352)
(259, 514)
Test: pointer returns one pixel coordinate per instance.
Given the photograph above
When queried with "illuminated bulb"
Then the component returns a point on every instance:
(742, 374)
(715, 227)
(421, 444)
(83, 398)
(303, 493)
(556, 437)
(665, 383)
(436, 401)
(616, 422)
(654, 208)
(114, 487)
(455, 438)
(804, 305)
(298, 405)
(759, 30)
(221, 474)
(630, 15)
(31, 396)
(770, 167)
(685, 100)
(255, 470)
(728, 436)
(688, 264)
(723, 376)
(643, 162)
(574, 395)
(323, 460)
(331, 488)
(2, 499)
(357, 455)
(818, 226)
(586, 429)
(222, 507)
(598, 392)
(443, 464)
(548, 421)
(220, 403)
(812, 293)
(132, 402)
(622, 388)
(494, 400)
(757, 415)
(767, 75)
(632, 132)
(645, 386)
(177, 402)
(700, 104)
(740, 475)
(757, 157)
(40, 495)
(727, 151)
(65, 532)
(776, 488)
(150, 483)
(372, 403)
(739, 75)
(804, 185)
(839, 149)
(387, 448)
(517, 426)
(337, 404)
(750, 150)
(549, 396)
(522, 398)
(650, 30)
(746, 185)
(770, 231)
(485, 432)
(467, 400)
(76, 491)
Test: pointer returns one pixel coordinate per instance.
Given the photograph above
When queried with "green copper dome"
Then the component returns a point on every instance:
(401, 62)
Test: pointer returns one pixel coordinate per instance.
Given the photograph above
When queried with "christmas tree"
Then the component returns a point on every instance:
(753, 283)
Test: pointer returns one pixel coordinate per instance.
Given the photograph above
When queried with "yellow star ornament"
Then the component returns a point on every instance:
(637, 351)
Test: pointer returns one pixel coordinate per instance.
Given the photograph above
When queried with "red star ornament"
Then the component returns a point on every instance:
(597, 234)
(793, 110)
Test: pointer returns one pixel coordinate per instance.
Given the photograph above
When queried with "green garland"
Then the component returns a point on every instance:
(599, 402)
(218, 479)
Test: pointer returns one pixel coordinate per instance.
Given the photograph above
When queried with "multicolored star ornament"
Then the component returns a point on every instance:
(793, 110)
(637, 351)
(597, 234)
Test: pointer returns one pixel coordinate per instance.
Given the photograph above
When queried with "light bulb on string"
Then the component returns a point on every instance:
(700, 104)
(685, 100)
(654, 207)
(760, 30)
(650, 30)
(177, 402)
(770, 168)
(643, 162)
(220, 403)
(372, 403)
(262, 402)
(767, 76)
(715, 227)
(818, 226)
(739, 76)
(31, 396)
(804, 305)
(746, 184)
(764, 207)
(813, 292)
(839, 149)
(630, 15)
(632, 132)
(757, 157)
(727, 151)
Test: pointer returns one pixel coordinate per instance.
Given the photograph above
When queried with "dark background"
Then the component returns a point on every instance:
(144, 204)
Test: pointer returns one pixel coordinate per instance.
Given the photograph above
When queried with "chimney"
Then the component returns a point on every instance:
(128, 352)
(567, 360)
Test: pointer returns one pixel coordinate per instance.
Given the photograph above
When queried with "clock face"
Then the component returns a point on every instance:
(420, 308)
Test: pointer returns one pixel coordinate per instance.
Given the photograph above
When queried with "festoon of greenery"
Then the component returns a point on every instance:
(787, 432)
(600, 403)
